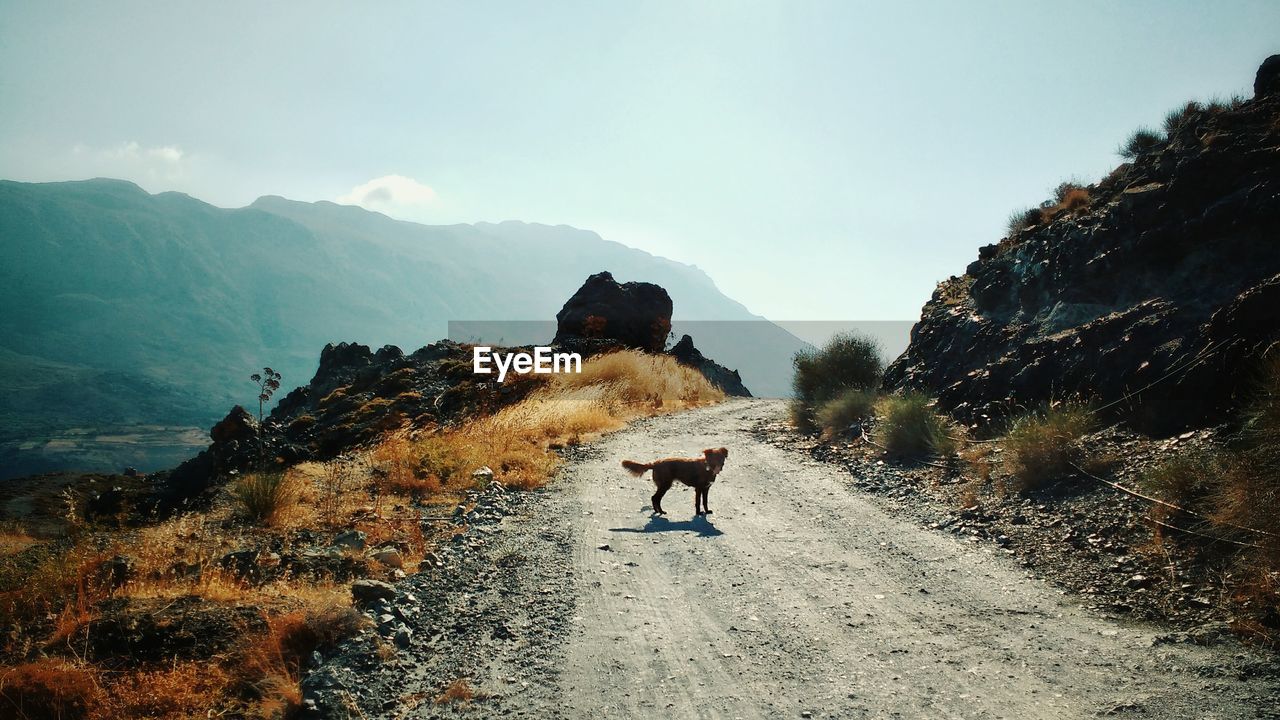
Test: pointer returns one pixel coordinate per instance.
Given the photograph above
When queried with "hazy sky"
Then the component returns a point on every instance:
(821, 160)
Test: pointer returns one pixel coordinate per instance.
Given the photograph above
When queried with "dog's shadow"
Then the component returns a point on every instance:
(699, 524)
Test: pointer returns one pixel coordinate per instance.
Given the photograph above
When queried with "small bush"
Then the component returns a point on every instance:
(1142, 141)
(1237, 488)
(459, 691)
(441, 459)
(909, 426)
(266, 497)
(297, 634)
(1176, 118)
(398, 461)
(1020, 220)
(1041, 447)
(847, 362)
(1262, 414)
(851, 406)
(801, 416)
(1184, 480)
(337, 480)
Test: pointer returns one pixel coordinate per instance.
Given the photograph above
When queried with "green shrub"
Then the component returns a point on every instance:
(847, 362)
(1142, 141)
(265, 497)
(1041, 446)
(909, 426)
(1184, 480)
(802, 416)
(849, 407)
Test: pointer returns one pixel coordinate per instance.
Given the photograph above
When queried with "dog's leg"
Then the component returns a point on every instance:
(706, 495)
(663, 487)
(697, 501)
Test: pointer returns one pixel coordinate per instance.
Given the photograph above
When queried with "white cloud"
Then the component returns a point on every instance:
(396, 195)
(132, 160)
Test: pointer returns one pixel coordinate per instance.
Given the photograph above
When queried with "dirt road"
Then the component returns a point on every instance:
(797, 598)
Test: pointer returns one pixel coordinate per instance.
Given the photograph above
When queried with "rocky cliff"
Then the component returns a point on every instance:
(1153, 292)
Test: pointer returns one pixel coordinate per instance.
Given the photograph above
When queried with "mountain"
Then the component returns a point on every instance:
(131, 310)
(1153, 291)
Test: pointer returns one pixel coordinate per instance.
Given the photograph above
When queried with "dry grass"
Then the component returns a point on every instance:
(909, 426)
(1041, 446)
(567, 408)
(270, 667)
(399, 467)
(49, 689)
(459, 691)
(1069, 196)
(1231, 494)
(267, 497)
(1020, 220)
(182, 690)
(845, 410)
(14, 539)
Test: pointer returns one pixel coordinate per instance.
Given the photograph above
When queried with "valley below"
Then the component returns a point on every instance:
(146, 448)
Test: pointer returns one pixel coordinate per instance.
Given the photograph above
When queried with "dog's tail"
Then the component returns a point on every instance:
(636, 468)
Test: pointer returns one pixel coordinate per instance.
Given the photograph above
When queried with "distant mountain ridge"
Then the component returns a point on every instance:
(126, 307)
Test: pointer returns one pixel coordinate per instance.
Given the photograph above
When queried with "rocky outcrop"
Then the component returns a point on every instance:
(356, 396)
(1156, 296)
(1267, 81)
(635, 314)
(722, 377)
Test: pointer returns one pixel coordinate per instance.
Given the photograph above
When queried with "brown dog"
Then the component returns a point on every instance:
(697, 473)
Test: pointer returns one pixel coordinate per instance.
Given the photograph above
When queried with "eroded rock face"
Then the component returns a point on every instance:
(635, 314)
(1160, 295)
(722, 377)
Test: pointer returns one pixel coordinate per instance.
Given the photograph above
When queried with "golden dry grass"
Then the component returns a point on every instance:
(568, 408)
(267, 497)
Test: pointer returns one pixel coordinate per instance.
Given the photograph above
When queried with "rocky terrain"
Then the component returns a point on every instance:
(1078, 532)
(1164, 274)
(811, 592)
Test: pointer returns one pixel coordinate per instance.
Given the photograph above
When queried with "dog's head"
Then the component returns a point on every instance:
(715, 458)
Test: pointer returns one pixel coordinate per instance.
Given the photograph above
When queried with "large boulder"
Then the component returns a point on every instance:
(1267, 81)
(634, 314)
(1156, 299)
(239, 426)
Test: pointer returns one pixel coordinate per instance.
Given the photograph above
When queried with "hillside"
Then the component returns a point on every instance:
(126, 309)
(1152, 292)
